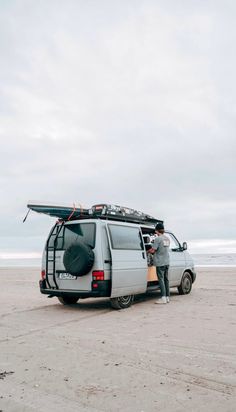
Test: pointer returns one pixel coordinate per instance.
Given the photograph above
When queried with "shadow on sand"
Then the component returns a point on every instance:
(101, 304)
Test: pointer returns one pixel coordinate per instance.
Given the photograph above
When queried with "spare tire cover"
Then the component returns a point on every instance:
(78, 259)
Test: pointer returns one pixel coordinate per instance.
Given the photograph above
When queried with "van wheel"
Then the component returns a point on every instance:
(122, 302)
(186, 284)
(67, 300)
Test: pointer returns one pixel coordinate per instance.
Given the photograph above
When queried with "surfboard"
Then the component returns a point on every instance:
(61, 211)
(102, 211)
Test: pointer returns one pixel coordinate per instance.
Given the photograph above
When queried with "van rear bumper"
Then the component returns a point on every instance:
(103, 290)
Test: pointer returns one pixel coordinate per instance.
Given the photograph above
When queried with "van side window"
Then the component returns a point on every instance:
(174, 244)
(125, 237)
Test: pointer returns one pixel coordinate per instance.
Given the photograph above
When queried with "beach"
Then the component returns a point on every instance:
(89, 357)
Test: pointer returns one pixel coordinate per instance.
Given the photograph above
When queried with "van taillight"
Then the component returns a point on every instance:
(98, 275)
(43, 274)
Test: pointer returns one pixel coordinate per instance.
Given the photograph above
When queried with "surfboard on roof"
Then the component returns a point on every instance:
(102, 210)
(62, 211)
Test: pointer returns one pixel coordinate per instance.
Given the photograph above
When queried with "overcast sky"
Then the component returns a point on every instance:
(125, 102)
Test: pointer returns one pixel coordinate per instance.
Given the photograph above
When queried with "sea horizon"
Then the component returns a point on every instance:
(200, 259)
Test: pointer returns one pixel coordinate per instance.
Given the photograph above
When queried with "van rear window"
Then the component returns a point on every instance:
(125, 237)
(71, 233)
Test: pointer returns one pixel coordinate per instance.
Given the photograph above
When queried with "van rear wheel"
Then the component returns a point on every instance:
(122, 302)
(186, 284)
(68, 300)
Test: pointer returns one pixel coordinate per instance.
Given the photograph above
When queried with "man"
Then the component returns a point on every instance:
(160, 251)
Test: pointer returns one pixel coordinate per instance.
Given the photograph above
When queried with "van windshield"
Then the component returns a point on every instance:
(69, 234)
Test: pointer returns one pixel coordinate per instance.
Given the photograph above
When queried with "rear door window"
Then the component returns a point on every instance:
(79, 231)
(69, 234)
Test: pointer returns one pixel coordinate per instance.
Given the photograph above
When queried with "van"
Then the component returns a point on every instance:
(102, 252)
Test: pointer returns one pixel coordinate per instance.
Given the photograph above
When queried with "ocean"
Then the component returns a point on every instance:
(204, 260)
(215, 259)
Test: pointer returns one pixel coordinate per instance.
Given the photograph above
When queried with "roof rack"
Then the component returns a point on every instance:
(98, 211)
(121, 213)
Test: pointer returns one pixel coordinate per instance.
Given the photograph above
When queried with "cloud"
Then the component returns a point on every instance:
(129, 103)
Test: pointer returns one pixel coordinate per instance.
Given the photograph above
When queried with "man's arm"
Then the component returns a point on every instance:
(155, 246)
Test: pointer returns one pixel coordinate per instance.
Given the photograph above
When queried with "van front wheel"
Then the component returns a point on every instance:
(122, 302)
(186, 284)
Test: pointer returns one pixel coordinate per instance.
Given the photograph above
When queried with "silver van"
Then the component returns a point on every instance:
(104, 255)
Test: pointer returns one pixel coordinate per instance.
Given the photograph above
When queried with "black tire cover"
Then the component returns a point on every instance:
(78, 259)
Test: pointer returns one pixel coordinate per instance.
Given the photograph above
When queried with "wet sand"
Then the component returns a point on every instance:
(89, 357)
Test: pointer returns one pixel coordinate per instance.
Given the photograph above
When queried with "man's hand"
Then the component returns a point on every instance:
(152, 250)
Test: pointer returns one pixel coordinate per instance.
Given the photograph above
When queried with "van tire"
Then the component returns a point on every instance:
(122, 302)
(68, 300)
(186, 284)
(78, 259)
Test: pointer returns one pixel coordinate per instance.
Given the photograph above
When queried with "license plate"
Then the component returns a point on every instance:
(65, 276)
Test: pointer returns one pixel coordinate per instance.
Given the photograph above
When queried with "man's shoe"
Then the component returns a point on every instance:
(161, 301)
(167, 299)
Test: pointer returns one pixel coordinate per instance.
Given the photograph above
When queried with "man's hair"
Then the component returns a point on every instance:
(160, 228)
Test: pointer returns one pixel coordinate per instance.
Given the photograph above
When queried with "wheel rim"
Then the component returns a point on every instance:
(125, 299)
(186, 284)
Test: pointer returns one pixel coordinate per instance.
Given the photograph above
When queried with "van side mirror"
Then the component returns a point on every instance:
(185, 246)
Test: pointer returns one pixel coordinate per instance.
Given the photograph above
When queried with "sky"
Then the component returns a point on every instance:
(130, 103)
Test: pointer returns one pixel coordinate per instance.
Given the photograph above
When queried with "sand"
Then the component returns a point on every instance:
(89, 357)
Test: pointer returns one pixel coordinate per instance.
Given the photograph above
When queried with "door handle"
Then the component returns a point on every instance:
(143, 254)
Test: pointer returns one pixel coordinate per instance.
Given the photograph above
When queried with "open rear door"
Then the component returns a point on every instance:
(128, 260)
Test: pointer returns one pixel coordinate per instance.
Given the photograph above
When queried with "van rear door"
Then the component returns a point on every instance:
(62, 236)
(128, 260)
